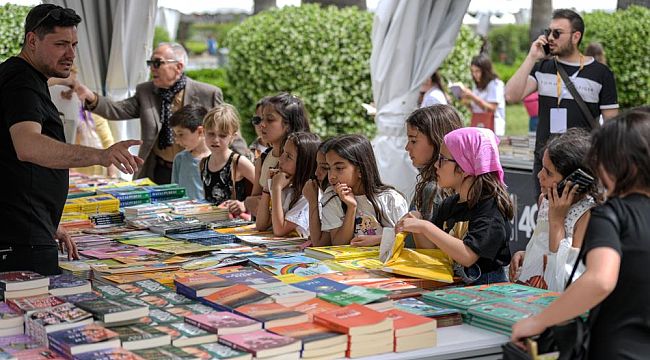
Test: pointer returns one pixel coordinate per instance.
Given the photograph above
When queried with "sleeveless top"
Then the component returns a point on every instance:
(217, 185)
(546, 270)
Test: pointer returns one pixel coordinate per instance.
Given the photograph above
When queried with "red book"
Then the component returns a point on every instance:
(354, 319)
(262, 343)
(272, 314)
(312, 336)
(223, 322)
(406, 323)
(32, 303)
(235, 296)
(314, 306)
(199, 284)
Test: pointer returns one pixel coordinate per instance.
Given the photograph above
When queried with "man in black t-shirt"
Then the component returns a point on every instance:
(33, 155)
(558, 110)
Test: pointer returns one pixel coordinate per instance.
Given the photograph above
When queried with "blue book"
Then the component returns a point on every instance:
(249, 277)
(321, 285)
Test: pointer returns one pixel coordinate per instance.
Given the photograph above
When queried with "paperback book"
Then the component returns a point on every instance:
(223, 323)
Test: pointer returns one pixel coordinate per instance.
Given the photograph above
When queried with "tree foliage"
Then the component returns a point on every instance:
(12, 21)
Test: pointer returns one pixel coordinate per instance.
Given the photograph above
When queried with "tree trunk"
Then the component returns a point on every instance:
(261, 5)
(624, 4)
(540, 17)
(361, 4)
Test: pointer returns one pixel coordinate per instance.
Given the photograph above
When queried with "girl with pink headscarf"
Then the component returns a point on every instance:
(473, 225)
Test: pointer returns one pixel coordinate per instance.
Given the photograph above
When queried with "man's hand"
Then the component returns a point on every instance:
(118, 154)
(66, 242)
(84, 93)
(536, 51)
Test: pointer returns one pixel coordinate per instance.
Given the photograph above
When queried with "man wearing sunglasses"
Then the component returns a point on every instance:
(34, 155)
(553, 51)
(154, 102)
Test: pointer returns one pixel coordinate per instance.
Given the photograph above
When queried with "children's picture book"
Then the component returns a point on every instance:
(261, 343)
(272, 314)
(223, 322)
(354, 319)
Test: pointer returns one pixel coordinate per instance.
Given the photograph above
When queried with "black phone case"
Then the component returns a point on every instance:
(579, 177)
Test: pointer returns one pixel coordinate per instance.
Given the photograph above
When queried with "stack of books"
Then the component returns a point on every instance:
(106, 219)
(272, 314)
(11, 321)
(264, 345)
(40, 323)
(128, 196)
(223, 323)
(141, 336)
(104, 203)
(444, 316)
(411, 331)
(82, 339)
(166, 192)
(67, 284)
(17, 284)
(186, 225)
(316, 341)
(146, 209)
(369, 332)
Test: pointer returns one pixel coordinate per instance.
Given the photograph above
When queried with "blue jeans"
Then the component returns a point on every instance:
(473, 275)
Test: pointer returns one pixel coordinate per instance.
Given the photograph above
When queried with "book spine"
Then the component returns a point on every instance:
(186, 291)
(200, 325)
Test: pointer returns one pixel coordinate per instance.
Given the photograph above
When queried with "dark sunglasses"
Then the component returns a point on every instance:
(256, 120)
(556, 33)
(442, 159)
(156, 63)
(55, 14)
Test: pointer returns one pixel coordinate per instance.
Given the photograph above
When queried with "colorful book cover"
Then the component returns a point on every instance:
(260, 342)
(138, 332)
(214, 351)
(183, 334)
(32, 303)
(161, 316)
(102, 308)
(510, 290)
(189, 309)
(268, 313)
(66, 340)
(165, 353)
(283, 293)
(291, 278)
(281, 264)
(235, 296)
(342, 252)
(75, 298)
(21, 280)
(68, 281)
(200, 284)
(418, 307)
(506, 312)
(315, 306)
(179, 248)
(321, 285)
(111, 292)
(64, 313)
(460, 298)
(223, 322)
(355, 295)
(175, 299)
(347, 318)
(308, 332)
(109, 354)
(249, 276)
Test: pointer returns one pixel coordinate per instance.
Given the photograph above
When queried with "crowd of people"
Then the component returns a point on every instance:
(293, 182)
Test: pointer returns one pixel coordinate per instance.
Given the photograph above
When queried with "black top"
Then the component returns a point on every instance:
(620, 325)
(488, 230)
(595, 84)
(33, 196)
(217, 185)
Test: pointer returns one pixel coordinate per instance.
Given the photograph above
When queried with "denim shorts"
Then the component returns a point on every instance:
(474, 276)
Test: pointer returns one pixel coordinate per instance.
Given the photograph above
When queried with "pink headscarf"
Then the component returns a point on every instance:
(475, 150)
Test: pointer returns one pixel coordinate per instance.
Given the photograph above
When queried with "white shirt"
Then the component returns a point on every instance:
(434, 96)
(298, 214)
(392, 206)
(494, 92)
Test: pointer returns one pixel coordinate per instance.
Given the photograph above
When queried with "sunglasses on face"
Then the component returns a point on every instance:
(55, 14)
(556, 33)
(156, 63)
(442, 159)
(256, 120)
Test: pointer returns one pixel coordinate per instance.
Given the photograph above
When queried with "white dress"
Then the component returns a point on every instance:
(547, 270)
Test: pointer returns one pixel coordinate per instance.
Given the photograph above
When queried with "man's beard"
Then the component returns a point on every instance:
(564, 50)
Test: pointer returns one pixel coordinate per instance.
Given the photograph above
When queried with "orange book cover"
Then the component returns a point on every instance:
(235, 296)
(347, 318)
(405, 320)
(314, 306)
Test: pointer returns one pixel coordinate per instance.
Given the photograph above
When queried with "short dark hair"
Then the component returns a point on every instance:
(42, 19)
(483, 62)
(622, 149)
(189, 117)
(577, 24)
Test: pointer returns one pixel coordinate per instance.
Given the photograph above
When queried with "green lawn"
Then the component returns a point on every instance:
(516, 120)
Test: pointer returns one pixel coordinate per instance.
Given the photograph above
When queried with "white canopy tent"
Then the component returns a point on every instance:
(115, 39)
(410, 39)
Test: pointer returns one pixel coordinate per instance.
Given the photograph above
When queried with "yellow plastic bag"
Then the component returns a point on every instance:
(430, 264)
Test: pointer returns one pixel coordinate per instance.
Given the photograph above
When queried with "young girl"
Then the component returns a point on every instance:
(312, 192)
(562, 218)
(282, 115)
(425, 129)
(362, 205)
(289, 210)
(473, 225)
(615, 287)
(220, 125)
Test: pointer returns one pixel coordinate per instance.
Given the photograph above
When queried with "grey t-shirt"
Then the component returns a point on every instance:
(186, 173)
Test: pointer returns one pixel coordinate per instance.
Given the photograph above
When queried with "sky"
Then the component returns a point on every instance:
(189, 6)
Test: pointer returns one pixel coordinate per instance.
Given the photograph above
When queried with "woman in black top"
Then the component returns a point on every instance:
(615, 285)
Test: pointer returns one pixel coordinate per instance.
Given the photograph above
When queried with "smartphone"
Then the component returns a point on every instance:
(547, 49)
(578, 177)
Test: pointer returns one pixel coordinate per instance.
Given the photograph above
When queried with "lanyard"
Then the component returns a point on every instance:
(559, 78)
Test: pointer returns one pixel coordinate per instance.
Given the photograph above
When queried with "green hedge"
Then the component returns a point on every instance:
(625, 35)
(160, 35)
(509, 43)
(319, 54)
(456, 67)
(12, 20)
(216, 77)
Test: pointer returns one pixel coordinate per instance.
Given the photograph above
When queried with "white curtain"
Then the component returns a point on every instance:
(410, 39)
(115, 39)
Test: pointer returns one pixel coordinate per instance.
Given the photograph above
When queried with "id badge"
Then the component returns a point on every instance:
(558, 120)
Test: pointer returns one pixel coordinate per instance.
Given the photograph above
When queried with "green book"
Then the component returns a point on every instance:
(140, 336)
(355, 295)
(184, 334)
(166, 353)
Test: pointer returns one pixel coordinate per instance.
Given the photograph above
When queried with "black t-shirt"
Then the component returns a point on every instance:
(33, 196)
(595, 84)
(485, 230)
(620, 325)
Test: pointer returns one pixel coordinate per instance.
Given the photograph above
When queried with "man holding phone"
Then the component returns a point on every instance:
(549, 55)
